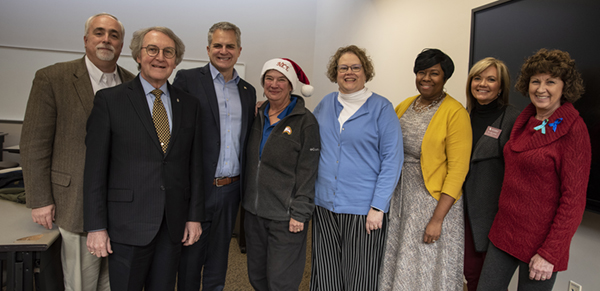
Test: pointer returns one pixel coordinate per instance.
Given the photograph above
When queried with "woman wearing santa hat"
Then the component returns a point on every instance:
(282, 158)
(361, 158)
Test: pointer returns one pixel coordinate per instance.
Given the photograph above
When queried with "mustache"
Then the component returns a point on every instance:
(105, 46)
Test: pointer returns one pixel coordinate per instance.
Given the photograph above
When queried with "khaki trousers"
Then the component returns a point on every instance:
(81, 270)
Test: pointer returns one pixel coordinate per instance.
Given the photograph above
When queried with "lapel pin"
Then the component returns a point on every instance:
(244, 87)
(177, 99)
(287, 130)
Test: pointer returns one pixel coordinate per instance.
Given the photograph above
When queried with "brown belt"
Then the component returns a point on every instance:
(220, 182)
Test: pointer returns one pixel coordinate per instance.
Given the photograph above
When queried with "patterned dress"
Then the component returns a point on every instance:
(409, 263)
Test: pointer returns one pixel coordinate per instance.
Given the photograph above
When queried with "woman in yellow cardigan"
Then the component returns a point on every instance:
(425, 240)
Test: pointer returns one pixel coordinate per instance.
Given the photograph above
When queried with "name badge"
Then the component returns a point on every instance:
(493, 132)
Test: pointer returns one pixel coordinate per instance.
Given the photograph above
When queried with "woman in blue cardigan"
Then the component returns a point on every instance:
(361, 158)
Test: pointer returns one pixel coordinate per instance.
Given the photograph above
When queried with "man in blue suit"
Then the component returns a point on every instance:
(142, 198)
(227, 104)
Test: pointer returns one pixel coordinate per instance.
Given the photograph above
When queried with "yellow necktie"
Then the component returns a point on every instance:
(161, 121)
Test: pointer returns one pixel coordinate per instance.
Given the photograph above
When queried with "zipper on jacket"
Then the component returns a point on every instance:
(256, 193)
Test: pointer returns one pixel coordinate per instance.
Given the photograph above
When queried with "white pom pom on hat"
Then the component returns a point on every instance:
(296, 76)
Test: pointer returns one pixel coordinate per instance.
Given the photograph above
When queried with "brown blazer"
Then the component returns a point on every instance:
(53, 139)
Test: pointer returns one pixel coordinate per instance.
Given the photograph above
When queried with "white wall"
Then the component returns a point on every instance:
(270, 28)
(309, 32)
(394, 32)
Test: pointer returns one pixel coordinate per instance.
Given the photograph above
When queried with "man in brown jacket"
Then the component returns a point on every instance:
(53, 148)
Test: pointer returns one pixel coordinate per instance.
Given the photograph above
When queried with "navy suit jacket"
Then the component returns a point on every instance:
(129, 184)
(199, 83)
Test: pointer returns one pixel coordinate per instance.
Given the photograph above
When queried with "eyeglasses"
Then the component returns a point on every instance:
(354, 68)
(152, 50)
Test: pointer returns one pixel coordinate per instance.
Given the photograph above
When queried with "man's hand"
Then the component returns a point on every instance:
(44, 216)
(258, 105)
(98, 243)
(192, 232)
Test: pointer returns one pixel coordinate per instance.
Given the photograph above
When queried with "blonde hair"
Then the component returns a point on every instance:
(503, 78)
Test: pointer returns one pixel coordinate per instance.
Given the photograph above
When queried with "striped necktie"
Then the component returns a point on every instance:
(161, 120)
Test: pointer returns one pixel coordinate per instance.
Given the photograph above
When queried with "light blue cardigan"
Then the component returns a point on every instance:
(359, 167)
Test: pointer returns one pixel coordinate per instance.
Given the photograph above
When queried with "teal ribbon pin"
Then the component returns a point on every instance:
(542, 126)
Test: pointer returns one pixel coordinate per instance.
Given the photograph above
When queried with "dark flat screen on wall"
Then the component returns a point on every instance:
(513, 30)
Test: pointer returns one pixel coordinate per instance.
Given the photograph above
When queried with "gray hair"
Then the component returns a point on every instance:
(89, 21)
(138, 40)
(225, 26)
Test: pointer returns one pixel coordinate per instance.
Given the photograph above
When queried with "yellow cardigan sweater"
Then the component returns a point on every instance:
(446, 147)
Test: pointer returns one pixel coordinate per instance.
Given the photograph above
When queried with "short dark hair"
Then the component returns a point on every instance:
(430, 57)
(138, 41)
(558, 64)
(225, 26)
(365, 61)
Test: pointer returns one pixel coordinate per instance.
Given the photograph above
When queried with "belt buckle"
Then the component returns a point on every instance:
(217, 181)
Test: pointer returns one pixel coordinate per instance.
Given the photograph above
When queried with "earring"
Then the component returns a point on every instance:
(500, 92)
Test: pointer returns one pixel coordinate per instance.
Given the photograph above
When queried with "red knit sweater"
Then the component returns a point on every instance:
(544, 189)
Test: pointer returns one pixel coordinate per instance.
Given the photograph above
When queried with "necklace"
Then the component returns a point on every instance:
(422, 108)
(280, 110)
(276, 113)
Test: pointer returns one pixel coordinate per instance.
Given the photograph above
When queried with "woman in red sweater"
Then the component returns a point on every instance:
(547, 167)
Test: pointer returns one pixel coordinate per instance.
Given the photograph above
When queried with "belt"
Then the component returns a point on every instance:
(222, 181)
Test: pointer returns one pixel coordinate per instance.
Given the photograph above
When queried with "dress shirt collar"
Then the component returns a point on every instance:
(215, 74)
(95, 73)
(148, 88)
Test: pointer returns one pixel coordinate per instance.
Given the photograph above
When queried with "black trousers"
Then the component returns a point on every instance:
(206, 260)
(499, 268)
(276, 256)
(150, 267)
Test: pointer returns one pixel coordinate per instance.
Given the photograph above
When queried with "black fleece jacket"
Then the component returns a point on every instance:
(281, 184)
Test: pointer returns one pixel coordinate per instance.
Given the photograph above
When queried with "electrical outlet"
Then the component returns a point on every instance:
(574, 286)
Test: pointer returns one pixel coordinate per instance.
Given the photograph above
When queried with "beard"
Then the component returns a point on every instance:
(103, 54)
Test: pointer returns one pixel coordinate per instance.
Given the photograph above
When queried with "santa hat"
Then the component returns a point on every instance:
(292, 72)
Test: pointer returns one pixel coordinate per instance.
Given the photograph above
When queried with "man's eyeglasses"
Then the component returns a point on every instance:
(354, 68)
(152, 50)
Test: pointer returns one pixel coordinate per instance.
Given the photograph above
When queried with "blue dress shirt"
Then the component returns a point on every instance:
(268, 127)
(230, 119)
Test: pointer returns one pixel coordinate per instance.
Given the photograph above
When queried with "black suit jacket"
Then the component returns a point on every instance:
(199, 83)
(129, 184)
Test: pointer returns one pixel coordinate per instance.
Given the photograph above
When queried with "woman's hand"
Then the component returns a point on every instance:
(433, 231)
(374, 220)
(296, 226)
(540, 269)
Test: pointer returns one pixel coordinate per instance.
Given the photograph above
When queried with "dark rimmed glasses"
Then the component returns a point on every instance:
(152, 50)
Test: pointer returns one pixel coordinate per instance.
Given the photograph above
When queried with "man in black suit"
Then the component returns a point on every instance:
(227, 104)
(142, 199)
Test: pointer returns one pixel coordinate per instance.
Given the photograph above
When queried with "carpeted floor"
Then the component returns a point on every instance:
(237, 272)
